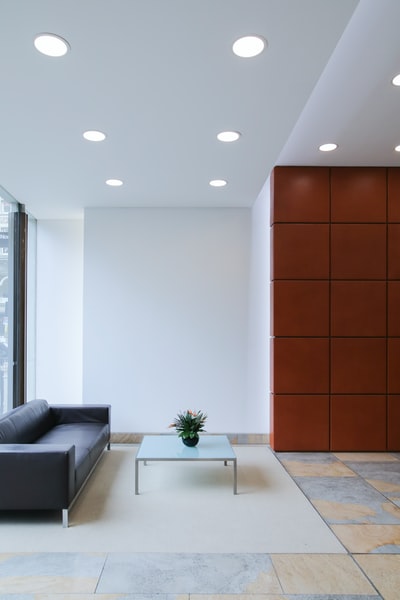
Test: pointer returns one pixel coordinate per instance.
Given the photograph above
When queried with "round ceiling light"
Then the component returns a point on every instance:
(228, 136)
(94, 136)
(218, 182)
(327, 147)
(396, 80)
(114, 182)
(249, 46)
(51, 45)
(397, 148)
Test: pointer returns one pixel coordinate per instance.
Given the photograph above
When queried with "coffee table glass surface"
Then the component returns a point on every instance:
(171, 448)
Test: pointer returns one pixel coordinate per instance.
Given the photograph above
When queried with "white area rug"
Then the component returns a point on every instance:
(182, 507)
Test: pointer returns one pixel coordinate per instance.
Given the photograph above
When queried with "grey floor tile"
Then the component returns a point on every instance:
(55, 564)
(334, 597)
(352, 491)
(183, 573)
(307, 457)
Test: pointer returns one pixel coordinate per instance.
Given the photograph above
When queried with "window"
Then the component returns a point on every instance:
(14, 352)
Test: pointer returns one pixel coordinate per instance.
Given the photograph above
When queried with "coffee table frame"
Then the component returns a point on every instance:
(171, 448)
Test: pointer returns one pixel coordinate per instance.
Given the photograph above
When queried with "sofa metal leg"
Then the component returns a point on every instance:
(65, 517)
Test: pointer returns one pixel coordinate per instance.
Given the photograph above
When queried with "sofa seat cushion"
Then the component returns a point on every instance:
(89, 440)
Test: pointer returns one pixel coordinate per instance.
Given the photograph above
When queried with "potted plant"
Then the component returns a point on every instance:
(188, 424)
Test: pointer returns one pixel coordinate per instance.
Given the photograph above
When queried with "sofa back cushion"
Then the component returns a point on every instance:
(26, 423)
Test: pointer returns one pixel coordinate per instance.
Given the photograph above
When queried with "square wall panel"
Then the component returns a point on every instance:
(358, 308)
(358, 365)
(300, 423)
(358, 423)
(393, 430)
(393, 308)
(300, 366)
(394, 251)
(300, 195)
(358, 195)
(394, 195)
(300, 308)
(358, 251)
(300, 251)
(393, 349)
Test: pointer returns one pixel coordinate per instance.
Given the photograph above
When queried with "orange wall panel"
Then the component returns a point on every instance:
(393, 308)
(358, 422)
(302, 195)
(358, 195)
(358, 251)
(358, 365)
(393, 433)
(301, 308)
(301, 251)
(358, 308)
(393, 350)
(301, 422)
(301, 366)
(394, 195)
(394, 251)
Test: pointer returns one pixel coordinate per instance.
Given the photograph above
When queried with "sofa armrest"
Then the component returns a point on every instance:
(37, 476)
(81, 413)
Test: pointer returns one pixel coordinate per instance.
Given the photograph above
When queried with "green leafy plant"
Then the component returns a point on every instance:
(188, 424)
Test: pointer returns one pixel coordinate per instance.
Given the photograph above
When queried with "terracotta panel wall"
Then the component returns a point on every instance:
(335, 316)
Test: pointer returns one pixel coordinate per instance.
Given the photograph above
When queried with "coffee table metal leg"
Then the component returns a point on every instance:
(235, 476)
(136, 477)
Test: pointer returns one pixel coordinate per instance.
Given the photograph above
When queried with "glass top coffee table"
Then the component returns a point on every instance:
(171, 448)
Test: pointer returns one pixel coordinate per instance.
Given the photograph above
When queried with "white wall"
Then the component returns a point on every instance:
(175, 315)
(59, 311)
(167, 317)
(258, 372)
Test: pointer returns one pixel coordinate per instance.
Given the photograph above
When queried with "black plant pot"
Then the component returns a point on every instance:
(191, 441)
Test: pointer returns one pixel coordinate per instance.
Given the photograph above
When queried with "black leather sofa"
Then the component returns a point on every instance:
(47, 453)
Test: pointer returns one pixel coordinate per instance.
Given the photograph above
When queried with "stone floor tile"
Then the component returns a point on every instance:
(366, 456)
(44, 572)
(384, 572)
(106, 597)
(153, 573)
(333, 597)
(348, 500)
(240, 597)
(313, 464)
(320, 574)
(369, 538)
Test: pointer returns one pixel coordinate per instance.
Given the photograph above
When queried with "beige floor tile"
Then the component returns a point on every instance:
(366, 538)
(365, 457)
(320, 574)
(41, 584)
(386, 487)
(384, 572)
(305, 469)
(235, 597)
(343, 511)
(104, 597)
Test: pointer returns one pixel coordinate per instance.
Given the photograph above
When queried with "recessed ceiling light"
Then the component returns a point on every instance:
(249, 46)
(396, 80)
(218, 182)
(51, 44)
(94, 136)
(397, 148)
(228, 136)
(114, 182)
(327, 147)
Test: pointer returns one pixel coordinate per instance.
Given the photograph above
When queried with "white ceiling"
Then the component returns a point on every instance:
(159, 77)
